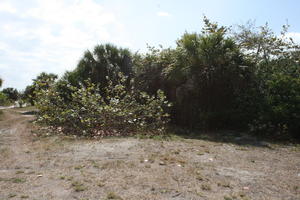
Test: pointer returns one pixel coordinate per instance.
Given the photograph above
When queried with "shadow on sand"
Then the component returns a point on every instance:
(235, 137)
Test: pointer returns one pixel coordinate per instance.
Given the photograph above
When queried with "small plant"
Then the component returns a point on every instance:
(4, 152)
(112, 195)
(18, 180)
(78, 167)
(12, 195)
(78, 187)
(206, 187)
(228, 198)
(236, 196)
(100, 184)
(95, 164)
(224, 184)
(200, 177)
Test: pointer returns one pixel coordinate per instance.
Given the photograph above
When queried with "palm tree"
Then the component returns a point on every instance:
(105, 61)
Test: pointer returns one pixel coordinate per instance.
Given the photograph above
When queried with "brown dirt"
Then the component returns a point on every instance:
(60, 167)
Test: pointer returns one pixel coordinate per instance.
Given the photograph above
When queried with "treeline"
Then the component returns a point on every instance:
(9, 96)
(245, 78)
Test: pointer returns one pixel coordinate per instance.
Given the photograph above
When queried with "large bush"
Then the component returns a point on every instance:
(11, 93)
(3, 99)
(41, 82)
(205, 76)
(280, 113)
(115, 111)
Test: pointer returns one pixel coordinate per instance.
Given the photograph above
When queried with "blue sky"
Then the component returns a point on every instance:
(51, 35)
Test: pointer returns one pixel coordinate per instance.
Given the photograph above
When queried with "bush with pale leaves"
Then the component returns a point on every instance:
(118, 110)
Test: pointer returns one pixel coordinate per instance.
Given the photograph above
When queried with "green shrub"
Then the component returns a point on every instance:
(3, 99)
(281, 113)
(11, 93)
(117, 110)
(204, 77)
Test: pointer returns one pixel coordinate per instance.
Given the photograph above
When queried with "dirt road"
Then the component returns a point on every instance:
(60, 167)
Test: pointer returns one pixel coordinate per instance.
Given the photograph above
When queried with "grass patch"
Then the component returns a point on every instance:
(12, 195)
(206, 187)
(224, 184)
(227, 198)
(95, 164)
(236, 196)
(117, 164)
(199, 177)
(19, 172)
(296, 148)
(5, 152)
(18, 180)
(162, 137)
(79, 167)
(112, 195)
(78, 187)
(101, 183)
(4, 179)
(200, 153)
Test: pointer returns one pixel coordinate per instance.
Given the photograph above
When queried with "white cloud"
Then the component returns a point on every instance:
(78, 25)
(51, 35)
(7, 7)
(163, 14)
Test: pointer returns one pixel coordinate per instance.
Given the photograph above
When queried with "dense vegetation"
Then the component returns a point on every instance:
(117, 110)
(246, 78)
(3, 98)
(9, 96)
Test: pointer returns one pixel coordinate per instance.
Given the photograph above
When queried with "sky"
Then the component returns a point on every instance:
(52, 35)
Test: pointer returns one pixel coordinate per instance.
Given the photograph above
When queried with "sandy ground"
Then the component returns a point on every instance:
(60, 167)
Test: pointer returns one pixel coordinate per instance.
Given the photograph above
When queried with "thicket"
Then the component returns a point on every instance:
(3, 99)
(116, 110)
(245, 78)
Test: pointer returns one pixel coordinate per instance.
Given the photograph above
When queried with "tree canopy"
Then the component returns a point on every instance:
(11, 93)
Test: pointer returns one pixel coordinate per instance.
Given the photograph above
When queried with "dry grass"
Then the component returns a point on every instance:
(5, 152)
(112, 195)
(18, 180)
(78, 186)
